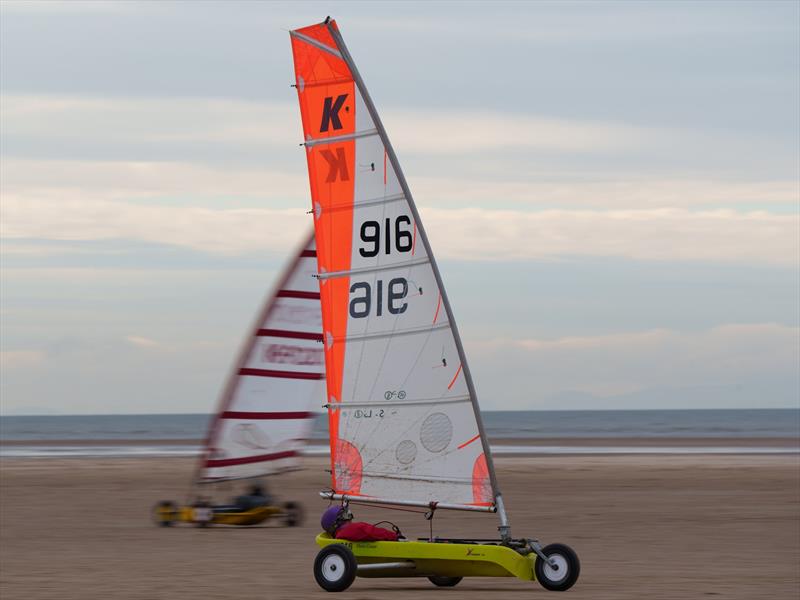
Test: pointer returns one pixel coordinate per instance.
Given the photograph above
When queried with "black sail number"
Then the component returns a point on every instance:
(362, 297)
(398, 236)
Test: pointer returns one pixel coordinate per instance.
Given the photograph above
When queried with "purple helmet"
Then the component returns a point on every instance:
(333, 517)
(330, 519)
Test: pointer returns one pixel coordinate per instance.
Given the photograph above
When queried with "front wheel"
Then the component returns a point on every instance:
(293, 514)
(444, 581)
(563, 573)
(335, 568)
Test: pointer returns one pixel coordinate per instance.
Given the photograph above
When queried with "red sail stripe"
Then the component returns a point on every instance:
(229, 462)
(297, 294)
(454, 377)
(438, 306)
(308, 254)
(234, 414)
(468, 442)
(280, 374)
(285, 333)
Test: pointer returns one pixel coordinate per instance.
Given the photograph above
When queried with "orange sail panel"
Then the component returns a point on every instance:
(403, 420)
(265, 415)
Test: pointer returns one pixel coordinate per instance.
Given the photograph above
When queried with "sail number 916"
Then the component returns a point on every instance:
(371, 234)
(361, 303)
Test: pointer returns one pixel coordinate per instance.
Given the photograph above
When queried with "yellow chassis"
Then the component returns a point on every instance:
(165, 515)
(254, 516)
(439, 558)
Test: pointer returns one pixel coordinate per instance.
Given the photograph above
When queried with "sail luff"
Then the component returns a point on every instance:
(229, 390)
(392, 157)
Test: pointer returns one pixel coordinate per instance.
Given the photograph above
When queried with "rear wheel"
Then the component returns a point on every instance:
(563, 573)
(444, 581)
(293, 514)
(165, 513)
(335, 568)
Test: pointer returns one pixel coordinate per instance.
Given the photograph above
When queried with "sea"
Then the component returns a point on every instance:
(752, 431)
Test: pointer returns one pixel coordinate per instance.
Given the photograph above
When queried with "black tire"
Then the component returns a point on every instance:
(165, 513)
(335, 568)
(293, 514)
(564, 574)
(444, 581)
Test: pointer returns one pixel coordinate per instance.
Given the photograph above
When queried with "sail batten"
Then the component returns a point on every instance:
(316, 43)
(310, 142)
(388, 326)
(396, 404)
(375, 269)
(391, 333)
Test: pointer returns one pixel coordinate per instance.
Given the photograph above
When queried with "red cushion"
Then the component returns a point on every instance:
(364, 532)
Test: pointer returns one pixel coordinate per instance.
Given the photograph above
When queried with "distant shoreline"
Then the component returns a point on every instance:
(578, 442)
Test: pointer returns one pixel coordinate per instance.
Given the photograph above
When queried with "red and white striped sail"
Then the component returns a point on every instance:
(404, 421)
(265, 414)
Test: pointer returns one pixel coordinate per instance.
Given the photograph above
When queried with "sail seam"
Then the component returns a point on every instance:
(399, 265)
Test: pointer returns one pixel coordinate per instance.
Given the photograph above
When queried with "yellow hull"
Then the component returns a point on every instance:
(439, 559)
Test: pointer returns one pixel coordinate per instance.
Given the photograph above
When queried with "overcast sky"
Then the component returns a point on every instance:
(632, 171)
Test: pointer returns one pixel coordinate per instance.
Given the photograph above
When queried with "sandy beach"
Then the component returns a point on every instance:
(665, 526)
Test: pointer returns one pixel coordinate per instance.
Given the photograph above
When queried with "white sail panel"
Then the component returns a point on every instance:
(266, 410)
(403, 420)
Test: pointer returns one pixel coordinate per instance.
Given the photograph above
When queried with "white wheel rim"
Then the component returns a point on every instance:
(333, 567)
(559, 571)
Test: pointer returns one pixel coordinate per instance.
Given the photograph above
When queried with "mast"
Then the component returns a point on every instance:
(392, 156)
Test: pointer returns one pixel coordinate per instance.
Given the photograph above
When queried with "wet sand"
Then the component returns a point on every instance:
(666, 526)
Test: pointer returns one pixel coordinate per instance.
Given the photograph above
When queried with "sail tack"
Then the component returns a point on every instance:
(403, 417)
(265, 414)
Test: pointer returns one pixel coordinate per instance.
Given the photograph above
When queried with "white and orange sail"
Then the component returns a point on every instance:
(265, 413)
(404, 421)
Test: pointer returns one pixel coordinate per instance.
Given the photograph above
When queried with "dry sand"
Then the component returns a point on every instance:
(644, 527)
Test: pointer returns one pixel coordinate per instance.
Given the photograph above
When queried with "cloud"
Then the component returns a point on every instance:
(608, 367)
(204, 120)
(21, 359)
(52, 124)
(470, 233)
(178, 182)
(142, 342)
(656, 234)
(214, 231)
(624, 191)
(151, 120)
(163, 182)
